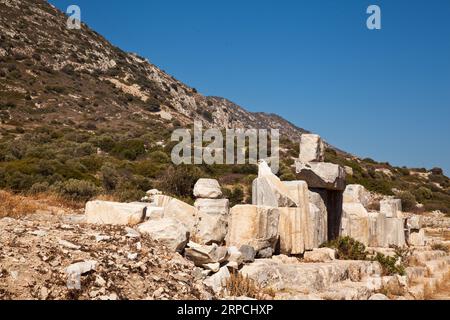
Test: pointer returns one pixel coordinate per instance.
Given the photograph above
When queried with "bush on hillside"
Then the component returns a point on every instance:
(347, 248)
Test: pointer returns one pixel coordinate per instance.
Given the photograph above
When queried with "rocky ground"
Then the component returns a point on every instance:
(36, 251)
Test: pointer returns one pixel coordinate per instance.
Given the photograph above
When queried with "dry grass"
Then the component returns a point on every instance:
(17, 205)
(14, 206)
(239, 285)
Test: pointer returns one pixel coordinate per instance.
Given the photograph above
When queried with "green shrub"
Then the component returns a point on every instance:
(236, 195)
(347, 248)
(390, 265)
(423, 194)
(440, 247)
(408, 200)
(180, 180)
(79, 190)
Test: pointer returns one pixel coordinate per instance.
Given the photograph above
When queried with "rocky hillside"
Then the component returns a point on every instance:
(81, 117)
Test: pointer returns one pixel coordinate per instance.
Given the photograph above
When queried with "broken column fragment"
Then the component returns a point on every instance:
(212, 220)
(356, 222)
(114, 213)
(322, 175)
(392, 208)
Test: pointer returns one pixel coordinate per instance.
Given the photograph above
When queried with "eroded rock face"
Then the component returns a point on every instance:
(292, 231)
(168, 231)
(312, 148)
(207, 188)
(270, 191)
(114, 213)
(321, 175)
(256, 226)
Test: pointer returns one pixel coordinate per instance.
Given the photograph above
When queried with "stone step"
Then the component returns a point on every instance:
(437, 265)
(428, 255)
(349, 290)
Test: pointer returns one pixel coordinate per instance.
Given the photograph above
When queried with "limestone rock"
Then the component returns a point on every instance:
(183, 212)
(218, 280)
(312, 148)
(391, 208)
(415, 222)
(256, 226)
(170, 232)
(114, 213)
(378, 296)
(356, 193)
(395, 232)
(212, 220)
(270, 191)
(356, 222)
(318, 210)
(321, 175)
(207, 188)
(320, 255)
(248, 253)
(291, 229)
(377, 225)
(234, 255)
(417, 239)
(202, 254)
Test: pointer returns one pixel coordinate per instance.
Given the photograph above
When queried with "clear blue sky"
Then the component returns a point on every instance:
(380, 94)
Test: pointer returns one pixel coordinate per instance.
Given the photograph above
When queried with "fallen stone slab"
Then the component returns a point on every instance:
(168, 231)
(114, 213)
(321, 175)
(256, 226)
(182, 212)
(203, 254)
(207, 188)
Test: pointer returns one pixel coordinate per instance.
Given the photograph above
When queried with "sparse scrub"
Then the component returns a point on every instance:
(347, 248)
(239, 285)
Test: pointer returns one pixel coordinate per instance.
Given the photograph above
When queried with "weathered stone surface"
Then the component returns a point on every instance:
(291, 229)
(318, 210)
(320, 255)
(105, 212)
(415, 222)
(321, 175)
(307, 277)
(170, 232)
(417, 239)
(218, 280)
(154, 213)
(303, 215)
(248, 253)
(265, 253)
(160, 200)
(378, 296)
(183, 212)
(312, 148)
(377, 231)
(391, 208)
(356, 193)
(395, 232)
(256, 226)
(202, 254)
(212, 220)
(207, 188)
(355, 222)
(270, 191)
(234, 255)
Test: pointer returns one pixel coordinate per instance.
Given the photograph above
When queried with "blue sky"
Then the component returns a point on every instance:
(383, 94)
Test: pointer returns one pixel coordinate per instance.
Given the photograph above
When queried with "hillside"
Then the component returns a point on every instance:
(80, 118)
